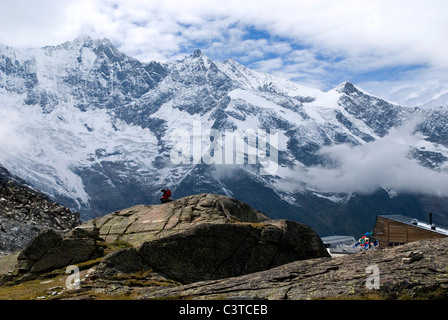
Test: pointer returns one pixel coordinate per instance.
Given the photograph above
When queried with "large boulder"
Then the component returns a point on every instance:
(143, 223)
(215, 251)
(195, 238)
(50, 250)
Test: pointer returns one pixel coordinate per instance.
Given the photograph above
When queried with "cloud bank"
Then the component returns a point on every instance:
(384, 163)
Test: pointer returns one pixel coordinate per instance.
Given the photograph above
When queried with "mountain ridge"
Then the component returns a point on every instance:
(99, 126)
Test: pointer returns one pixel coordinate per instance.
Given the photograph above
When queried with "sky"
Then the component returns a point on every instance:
(392, 49)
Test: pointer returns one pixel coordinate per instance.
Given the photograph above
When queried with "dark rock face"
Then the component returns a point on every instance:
(49, 250)
(216, 251)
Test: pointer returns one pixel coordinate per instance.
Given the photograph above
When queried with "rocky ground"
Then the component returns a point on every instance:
(210, 250)
(413, 271)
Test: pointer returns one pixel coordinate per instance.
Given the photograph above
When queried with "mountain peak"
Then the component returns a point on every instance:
(198, 54)
(83, 39)
(347, 87)
(87, 41)
(198, 58)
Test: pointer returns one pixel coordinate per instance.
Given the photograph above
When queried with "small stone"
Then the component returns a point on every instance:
(412, 256)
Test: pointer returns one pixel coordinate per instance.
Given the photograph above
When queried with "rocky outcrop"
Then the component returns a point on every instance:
(215, 251)
(25, 212)
(49, 250)
(196, 238)
(203, 237)
(143, 223)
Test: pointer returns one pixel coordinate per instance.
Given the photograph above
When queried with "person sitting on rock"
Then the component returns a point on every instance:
(166, 196)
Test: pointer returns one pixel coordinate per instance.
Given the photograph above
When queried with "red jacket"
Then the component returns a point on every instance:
(167, 194)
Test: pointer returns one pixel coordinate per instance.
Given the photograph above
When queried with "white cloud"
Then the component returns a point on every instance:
(269, 65)
(348, 26)
(425, 88)
(338, 39)
(382, 163)
(11, 140)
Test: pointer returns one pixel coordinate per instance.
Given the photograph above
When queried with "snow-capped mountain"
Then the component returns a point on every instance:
(98, 131)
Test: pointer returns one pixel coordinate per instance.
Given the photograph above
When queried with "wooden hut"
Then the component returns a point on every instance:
(392, 230)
